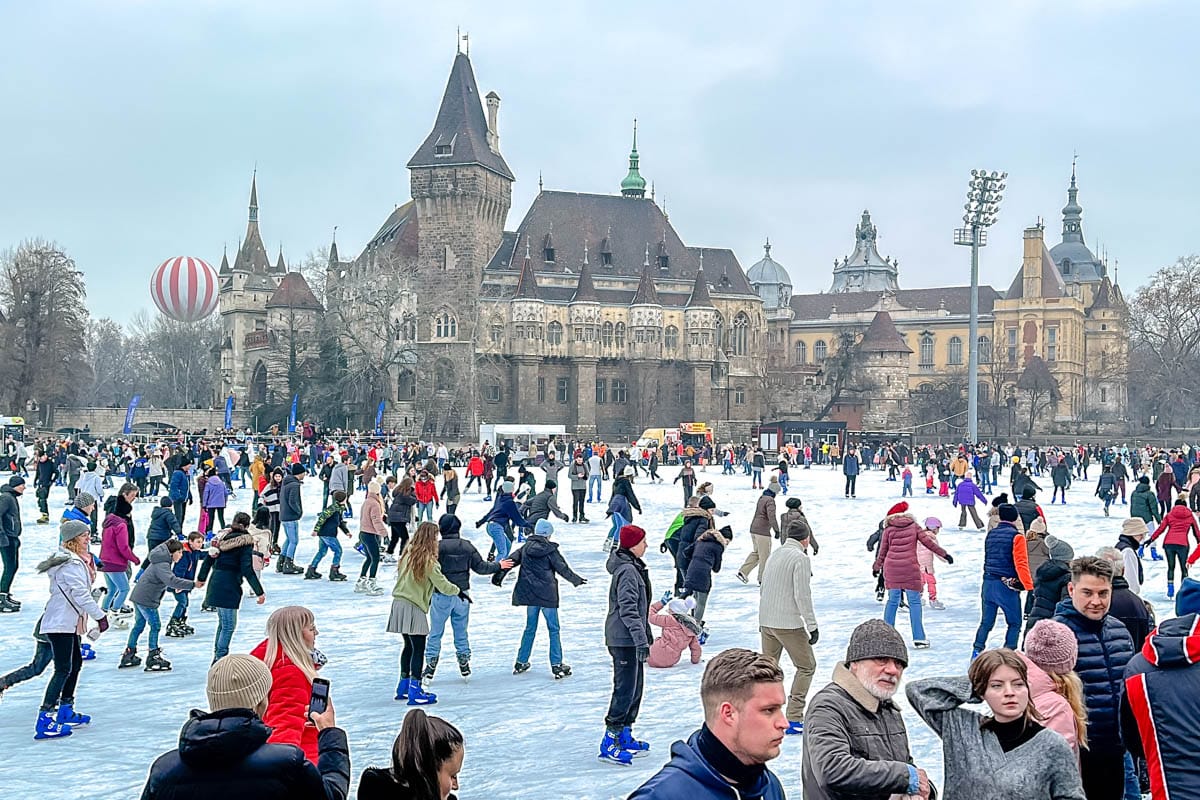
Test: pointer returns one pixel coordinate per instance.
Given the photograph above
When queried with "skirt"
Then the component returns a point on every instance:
(407, 618)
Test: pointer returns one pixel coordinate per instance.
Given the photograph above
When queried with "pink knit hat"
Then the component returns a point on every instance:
(1052, 646)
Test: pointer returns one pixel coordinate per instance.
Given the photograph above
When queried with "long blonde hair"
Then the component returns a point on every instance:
(285, 629)
(1070, 687)
(422, 552)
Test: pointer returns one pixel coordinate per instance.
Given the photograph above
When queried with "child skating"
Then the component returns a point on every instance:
(925, 560)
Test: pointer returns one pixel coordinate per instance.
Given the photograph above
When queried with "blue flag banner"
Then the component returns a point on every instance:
(229, 412)
(129, 412)
(379, 418)
(292, 416)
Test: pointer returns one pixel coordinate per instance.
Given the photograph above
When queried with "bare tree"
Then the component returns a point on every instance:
(941, 404)
(1164, 327)
(117, 364)
(177, 361)
(844, 372)
(1000, 377)
(1040, 390)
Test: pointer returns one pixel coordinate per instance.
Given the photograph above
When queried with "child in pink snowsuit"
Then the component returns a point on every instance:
(679, 632)
(925, 562)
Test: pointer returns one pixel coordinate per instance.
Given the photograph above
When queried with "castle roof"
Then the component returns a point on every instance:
(1053, 284)
(527, 288)
(646, 294)
(585, 291)
(699, 297)
(883, 337)
(252, 255)
(294, 292)
(1078, 264)
(954, 299)
(768, 270)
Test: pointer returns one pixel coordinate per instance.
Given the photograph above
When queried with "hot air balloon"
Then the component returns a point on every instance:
(185, 288)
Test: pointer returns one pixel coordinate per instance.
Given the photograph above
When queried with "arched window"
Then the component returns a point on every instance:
(619, 335)
(801, 353)
(554, 333)
(954, 351)
(985, 350)
(925, 388)
(719, 331)
(741, 334)
(819, 351)
(606, 334)
(446, 326)
(406, 385)
(671, 337)
(443, 375)
(258, 385)
(926, 349)
(408, 329)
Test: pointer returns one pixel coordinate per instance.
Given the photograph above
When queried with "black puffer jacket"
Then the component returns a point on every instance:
(1050, 587)
(628, 621)
(401, 508)
(225, 754)
(10, 517)
(1105, 647)
(695, 522)
(705, 560)
(540, 563)
(228, 568)
(163, 525)
(458, 557)
(541, 506)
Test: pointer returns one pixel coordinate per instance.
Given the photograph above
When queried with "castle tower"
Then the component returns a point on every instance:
(885, 364)
(584, 316)
(865, 270)
(700, 322)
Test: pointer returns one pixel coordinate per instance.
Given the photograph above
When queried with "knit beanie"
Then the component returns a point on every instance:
(899, 508)
(1134, 526)
(83, 500)
(15, 481)
(1000, 499)
(1144, 479)
(543, 528)
(298, 469)
(727, 532)
(1059, 550)
(1187, 599)
(681, 605)
(165, 501)
(1038, 525)
(1052, 646)
(237, 681)
(933, 524)
(1008, 512)
(71, 528)
(773, 485)
(876, 639)
(507, 486)
(631, 535)
(1028, 493)
(707, 503)
(551, 483)
(793, 502)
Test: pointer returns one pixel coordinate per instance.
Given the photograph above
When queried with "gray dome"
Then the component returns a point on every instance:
(1084, 266)
(768, 270)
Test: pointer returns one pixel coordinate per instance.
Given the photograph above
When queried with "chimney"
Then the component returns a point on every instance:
(493, 137)
(1031, 267)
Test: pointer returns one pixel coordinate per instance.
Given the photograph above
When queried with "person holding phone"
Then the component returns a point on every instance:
(290, 652)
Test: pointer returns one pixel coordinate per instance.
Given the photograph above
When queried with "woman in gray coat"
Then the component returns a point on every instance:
(1004, 756)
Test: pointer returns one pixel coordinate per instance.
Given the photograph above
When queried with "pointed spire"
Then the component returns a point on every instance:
(527, 288)
(646, 293)
(585, 290)
(767, 247)
(252, 254)
(280, 268)
(254, 196)
(333, 253)
(1072, 212)
(634, 184)
(225, 270)
(699, 297)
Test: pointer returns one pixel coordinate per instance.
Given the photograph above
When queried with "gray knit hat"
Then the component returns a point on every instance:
(876, 639)
(70, 529)
(83, 500)
(237, 681)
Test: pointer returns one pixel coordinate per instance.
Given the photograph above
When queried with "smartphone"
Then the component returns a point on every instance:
(320, 696)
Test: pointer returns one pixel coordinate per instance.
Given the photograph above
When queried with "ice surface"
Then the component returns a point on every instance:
(527, 736)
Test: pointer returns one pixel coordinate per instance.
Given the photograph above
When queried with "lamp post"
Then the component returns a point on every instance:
(984, 193)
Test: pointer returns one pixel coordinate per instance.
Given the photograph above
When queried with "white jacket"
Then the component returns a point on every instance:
(786, 598)
(71, 601)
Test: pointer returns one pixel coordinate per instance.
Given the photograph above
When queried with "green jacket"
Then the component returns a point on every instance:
(419, 593)
(1144, 504)
(674, 527)
(330, 520)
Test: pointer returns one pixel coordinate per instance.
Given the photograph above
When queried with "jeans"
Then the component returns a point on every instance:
(181, 606)
(328, 543)
(1133, 790)
(914, 611)
(496, 531)
(145, 616)
(756, 479)
(118, 590)
(458, 611)
(425, 510)
(531, 625)
(42, 656)
(628, 683)
(995, 596)
(67, 663)
(226, 625)
(291, 534)
(851, 485)
(594, 480)
(370, 543)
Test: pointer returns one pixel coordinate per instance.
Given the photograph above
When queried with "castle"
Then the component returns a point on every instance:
(595, 314)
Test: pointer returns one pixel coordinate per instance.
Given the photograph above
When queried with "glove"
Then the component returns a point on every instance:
(874, 573)
(643, 653)
(582, 581)
(949, 558)
(812, 637)
(465, 596)
(102, 624)
(662, 548)
(666, 598)
(816, 549)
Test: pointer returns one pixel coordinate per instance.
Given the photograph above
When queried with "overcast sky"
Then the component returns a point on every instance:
(129, 130)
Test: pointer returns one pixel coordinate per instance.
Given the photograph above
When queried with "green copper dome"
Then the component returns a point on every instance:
(634, 184)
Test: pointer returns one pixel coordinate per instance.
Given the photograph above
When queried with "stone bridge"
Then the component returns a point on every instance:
(108, 421)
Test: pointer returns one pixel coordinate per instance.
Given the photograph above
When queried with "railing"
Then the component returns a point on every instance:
(257, 340)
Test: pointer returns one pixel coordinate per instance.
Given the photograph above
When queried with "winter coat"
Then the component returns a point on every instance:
(1005, 555)
(765, 522)
(1037, 551)
(1130, 610)
(966, 493)
(10, 517)
(540, 561)
(215, 494)
(156, 579)
(785, 523)
(370, 517)
(541, 506)
(785, 600)
(1105, 647)
(627, 623)
(291, 506)
(855, 746)
(1164, 486)
(850, 465)
(420, 592)
(71, 601)
(704, 560)
(1057, 714)
(339, 479)
(179, 488)
(674, 639)
(1061, 475)
(688, 776)
(695, 522)
(1049, 589)
(400, 510)
(1161, 704)
(623, 488)
(1178, 523)
(925, 556)
(897, 555)
(164, 525)
(287, 703)
(504, 510)
(1028, 511)
(459, 558)
(1042, 768)
(579, 475)
(426, 491)
(115, 552)
(1142, 503)
(228, 568)
(226, 754)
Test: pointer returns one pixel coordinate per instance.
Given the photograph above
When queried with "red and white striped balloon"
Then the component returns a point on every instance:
(185, 289)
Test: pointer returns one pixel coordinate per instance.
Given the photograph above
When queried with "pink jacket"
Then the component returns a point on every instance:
(925, 555)
(897, 555)
(675, 638)
(1054, 708)
(115, 555)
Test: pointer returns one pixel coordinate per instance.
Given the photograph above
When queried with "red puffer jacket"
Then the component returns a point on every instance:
(426, 491)
(287, 704)
(897, 555)
(1177, 523)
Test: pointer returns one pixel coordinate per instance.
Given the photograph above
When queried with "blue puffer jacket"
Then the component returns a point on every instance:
(998, 559)
(180, 486)
(1161, 706)
(688, 776)
(504, 509)
(1105, 648)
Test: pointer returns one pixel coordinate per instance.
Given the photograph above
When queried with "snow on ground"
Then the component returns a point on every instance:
(527, 736)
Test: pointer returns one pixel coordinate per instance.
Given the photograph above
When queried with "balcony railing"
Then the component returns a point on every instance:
(257, 340)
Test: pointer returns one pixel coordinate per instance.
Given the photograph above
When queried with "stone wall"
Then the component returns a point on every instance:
(107, 421)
